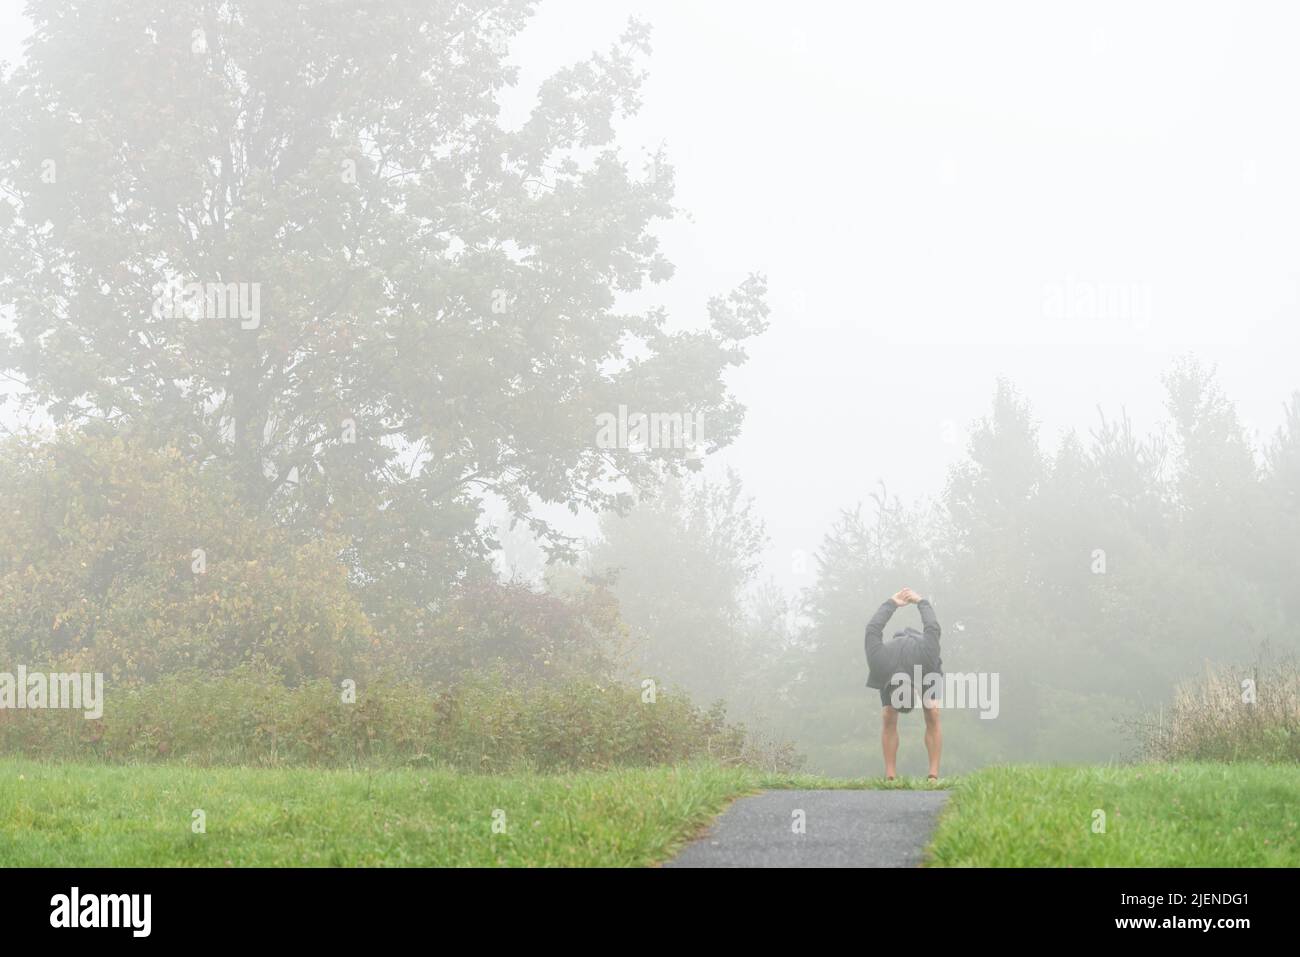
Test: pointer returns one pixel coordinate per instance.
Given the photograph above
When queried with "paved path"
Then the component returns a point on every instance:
(841, 829)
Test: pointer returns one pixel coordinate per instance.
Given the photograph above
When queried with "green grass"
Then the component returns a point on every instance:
(1157, 815)
(81, 815)
(77, 815)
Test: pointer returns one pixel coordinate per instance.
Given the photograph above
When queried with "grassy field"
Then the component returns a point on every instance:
(141, 815)
(1183, 815)
(99, 815)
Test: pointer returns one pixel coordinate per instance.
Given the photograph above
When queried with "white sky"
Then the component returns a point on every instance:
(924, 183)
(938, 192)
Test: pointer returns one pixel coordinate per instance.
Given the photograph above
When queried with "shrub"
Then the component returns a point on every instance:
(97, 570)
(238, 661)
(509, 629)
(1214, 719)
(97, 573)
(488, 724)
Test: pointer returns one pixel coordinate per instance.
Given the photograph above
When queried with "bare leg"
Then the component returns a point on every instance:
(889, 740)
(933, 736)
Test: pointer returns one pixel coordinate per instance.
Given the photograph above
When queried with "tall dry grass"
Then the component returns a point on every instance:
(1230, 714)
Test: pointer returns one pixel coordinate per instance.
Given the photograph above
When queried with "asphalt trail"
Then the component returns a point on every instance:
(841, 829)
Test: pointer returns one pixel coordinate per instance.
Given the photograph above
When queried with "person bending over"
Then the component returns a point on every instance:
(892, 668)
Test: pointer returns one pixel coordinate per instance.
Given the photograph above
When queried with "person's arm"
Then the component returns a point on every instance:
(876, 626)
(928, 619)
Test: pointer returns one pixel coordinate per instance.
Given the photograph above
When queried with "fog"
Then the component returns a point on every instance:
(1082, 204)
(919, 181)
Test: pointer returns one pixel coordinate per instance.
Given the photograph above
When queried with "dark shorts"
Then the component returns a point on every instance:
(908, 693)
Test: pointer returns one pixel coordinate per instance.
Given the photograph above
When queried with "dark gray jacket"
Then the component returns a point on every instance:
(906, 649)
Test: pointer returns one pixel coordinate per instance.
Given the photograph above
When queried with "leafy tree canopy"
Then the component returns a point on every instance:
(298, 242)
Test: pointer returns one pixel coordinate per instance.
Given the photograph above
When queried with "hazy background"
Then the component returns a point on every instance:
(917, 179)
(1034, 293)
(914, 177)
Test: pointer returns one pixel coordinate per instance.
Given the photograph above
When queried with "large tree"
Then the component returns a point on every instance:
(439, 314)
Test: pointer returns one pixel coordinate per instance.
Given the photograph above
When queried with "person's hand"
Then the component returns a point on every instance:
(910, 596)
(899, 597)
